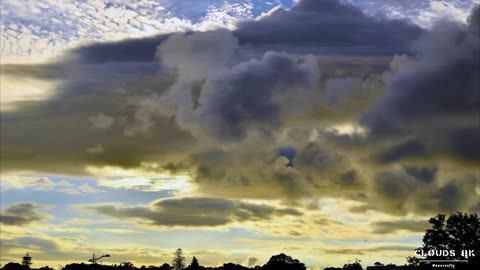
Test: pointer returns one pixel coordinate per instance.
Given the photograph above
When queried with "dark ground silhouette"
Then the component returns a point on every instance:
(457, 233)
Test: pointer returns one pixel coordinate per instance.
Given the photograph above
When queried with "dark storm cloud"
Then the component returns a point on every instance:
(251, 94)
(435, 95)
(465, 142)
(427, 174)
(410, 148)
(221, 106)
(22, 213)
(328, 26)
(402, 191)
(194, 212)
(130, 50)
(474, 20)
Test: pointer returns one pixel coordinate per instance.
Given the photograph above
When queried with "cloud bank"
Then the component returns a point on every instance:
(306, 103)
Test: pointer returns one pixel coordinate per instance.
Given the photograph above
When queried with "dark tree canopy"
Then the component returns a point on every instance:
(165, 266)
(457, 232)
(15, 266)
(282, 261)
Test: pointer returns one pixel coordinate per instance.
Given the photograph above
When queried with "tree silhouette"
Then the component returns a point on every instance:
(179, 260)
(282, 261)
(165, 266)
(353, 266)
(194, 264)
(457, 232)
(27, 260)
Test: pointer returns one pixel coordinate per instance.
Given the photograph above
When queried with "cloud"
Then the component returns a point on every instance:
(47, 27)
(20, 214)
(148, 177)
(37, 244)
(441, 82)
(198, 56)
(366, 250)
(194, 212)
(422, 12)
(95, 150)
(18, 89)
(416, 226)
(329, 27)
(283, 30)
(407, 149)
(98, 92)
(252, 93)
(237, 115)
(102, 121)
(86, 188)
(42, 184)
(251, 261)
(405, 190)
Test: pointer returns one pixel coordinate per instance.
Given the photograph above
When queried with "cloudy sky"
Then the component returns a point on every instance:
(328, 130)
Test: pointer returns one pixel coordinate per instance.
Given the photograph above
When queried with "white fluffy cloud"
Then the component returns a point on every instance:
(45, 27)
(421, 12)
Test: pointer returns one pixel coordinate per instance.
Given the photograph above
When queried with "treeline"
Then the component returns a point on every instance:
(276, 262)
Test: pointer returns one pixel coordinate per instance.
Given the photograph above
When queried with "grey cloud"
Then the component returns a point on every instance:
(258, 172)
(427, 174)
(194, 212)
(327, 221)
(330, 27)
(23, 213)
(198, 56)
(384, 227)
(439, 86)
(253, 93)
(102, 121)
(131, 50)
(251, 261)
(367, 250)
(474, 20)
(417, 190)
(408, 149)
(58, 130)
(32, 242)
(463, 142)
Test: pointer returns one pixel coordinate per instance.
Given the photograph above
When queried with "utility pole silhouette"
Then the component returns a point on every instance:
(94, 259)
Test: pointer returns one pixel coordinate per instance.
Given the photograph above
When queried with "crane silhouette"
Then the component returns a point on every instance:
(94, 259)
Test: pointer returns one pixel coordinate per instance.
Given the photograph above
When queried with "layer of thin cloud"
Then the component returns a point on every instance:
(37, 183)
(194, 211)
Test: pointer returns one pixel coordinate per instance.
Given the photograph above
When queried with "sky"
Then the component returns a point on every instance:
(236, 130)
